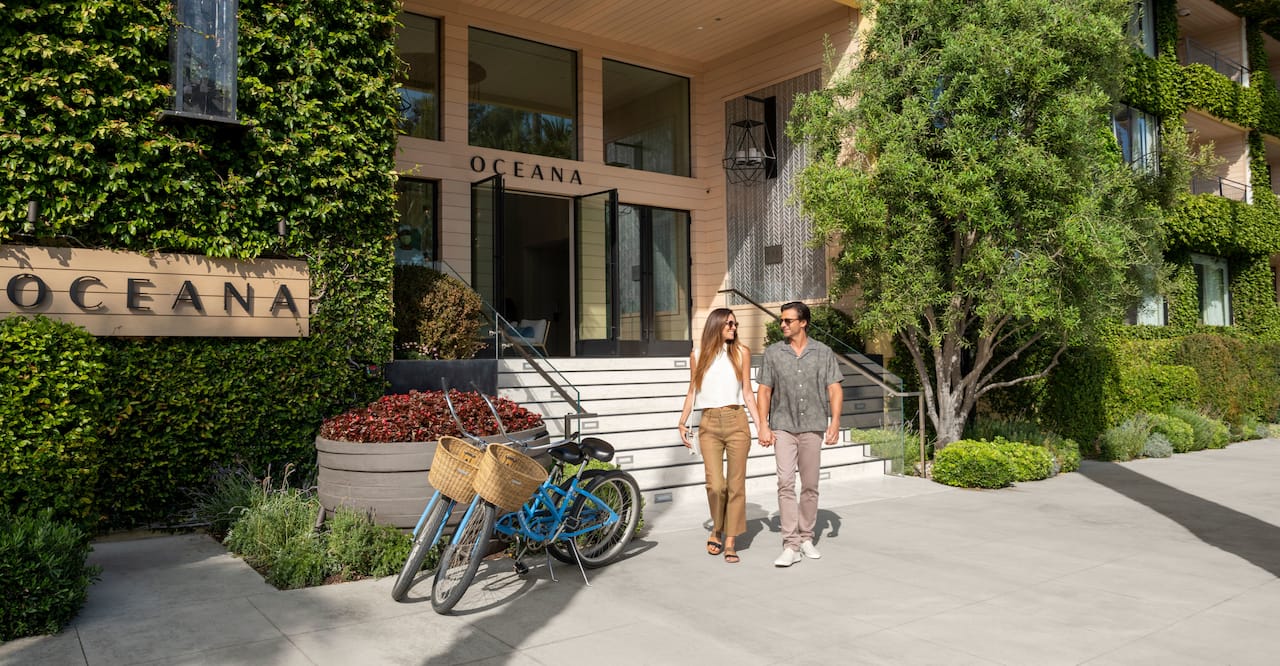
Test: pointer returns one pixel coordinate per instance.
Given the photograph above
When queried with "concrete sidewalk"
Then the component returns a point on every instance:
(1169, 561)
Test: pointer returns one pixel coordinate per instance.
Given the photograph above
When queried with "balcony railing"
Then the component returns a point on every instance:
(1192, 52)
(1222, 187)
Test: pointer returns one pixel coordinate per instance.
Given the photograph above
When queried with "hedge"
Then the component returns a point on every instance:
(85, 135)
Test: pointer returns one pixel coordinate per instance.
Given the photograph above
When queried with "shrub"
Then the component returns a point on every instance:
(1125, 441)
(436, 315)
(1177, 433)
(276, 517)
(1209, 433)
(42, 571)
(361, 548)
(1157, 446)
(1030, 462)
(1065, 452)
(1249, 428)
(232, 491)
(423, 416)
(973, 464)
(300, 562)
(51, 417)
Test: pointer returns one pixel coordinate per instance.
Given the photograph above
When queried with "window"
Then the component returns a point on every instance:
(416, 232)
(1138, 134)
(202, 52)
(1212, 281)
(523, 96)
(418, 44)
(1152, 310)
(646, 119)
(1142, 27)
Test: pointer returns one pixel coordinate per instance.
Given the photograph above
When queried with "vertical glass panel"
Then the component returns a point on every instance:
(203, 53)
(670, 274)
(522, 95)
(418, 45)
(593, 236)
(486, 214)
(1138, 134)
(416, 230)
(1142, 27)
(1151, 311)
(646, 119)
(630, 274)
(1211, 284)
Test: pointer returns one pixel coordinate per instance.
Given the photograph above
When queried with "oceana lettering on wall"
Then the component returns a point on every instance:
(519, 169)
(125, 293)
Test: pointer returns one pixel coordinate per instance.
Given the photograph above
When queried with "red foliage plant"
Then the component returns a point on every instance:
(423, 416)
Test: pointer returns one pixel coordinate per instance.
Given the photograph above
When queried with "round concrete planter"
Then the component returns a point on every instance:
(387, 479)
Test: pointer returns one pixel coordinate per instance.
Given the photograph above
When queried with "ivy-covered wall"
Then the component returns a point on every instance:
(82, 132)
(1247, 234)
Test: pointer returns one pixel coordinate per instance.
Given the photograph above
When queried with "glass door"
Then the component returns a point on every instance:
(486, 238)
(653, 278)
(595, 228)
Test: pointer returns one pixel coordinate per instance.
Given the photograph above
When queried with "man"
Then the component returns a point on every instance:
(799, 400)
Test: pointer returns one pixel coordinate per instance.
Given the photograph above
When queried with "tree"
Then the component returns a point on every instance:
(967, 173)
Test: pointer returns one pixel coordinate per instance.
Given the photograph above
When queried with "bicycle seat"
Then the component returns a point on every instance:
(594, 447)
(569, 454)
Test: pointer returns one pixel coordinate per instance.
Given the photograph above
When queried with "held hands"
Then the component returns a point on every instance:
(765, 436)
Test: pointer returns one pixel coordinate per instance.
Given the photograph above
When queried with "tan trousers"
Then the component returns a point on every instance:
(724, 433)
(797, 452)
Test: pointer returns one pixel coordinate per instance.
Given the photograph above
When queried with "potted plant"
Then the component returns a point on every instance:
(376, 458)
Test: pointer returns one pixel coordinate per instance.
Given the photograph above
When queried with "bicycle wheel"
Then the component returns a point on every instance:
(560, 549)
(602, 546)
(462, 558)
(422, 544)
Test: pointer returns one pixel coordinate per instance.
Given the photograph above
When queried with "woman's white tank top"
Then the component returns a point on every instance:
(720, 386)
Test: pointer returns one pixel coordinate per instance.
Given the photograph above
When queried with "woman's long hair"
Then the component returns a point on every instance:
(712, 343)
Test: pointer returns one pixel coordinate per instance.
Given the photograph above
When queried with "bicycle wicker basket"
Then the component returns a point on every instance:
(507, 478)
(453, 470)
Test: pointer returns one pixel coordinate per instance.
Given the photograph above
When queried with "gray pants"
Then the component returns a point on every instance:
(797, 452)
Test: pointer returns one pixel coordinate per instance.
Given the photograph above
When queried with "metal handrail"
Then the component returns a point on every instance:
(861, 370)
(1193, 51)
(840, 356)
(505, 331)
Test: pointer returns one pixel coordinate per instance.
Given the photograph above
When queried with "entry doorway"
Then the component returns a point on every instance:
(537, 261)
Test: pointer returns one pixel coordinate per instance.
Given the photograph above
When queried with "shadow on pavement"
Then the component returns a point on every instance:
(523, 608)
(1240, 534)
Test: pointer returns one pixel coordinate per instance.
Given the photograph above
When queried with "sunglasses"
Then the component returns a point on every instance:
(731, 324)
(787, 321)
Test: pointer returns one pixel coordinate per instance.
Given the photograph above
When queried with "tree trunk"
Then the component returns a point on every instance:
(949, 422)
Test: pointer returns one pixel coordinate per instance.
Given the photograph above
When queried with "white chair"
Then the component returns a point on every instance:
(533, 332)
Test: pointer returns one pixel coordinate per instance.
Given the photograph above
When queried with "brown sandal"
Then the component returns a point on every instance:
(714, 547)
(731, 556)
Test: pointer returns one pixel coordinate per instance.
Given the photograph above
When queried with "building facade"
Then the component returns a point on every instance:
(612, 168)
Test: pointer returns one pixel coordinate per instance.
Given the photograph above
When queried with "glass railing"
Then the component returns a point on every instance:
(1192, 52)
(506, 339)
(1220, 186)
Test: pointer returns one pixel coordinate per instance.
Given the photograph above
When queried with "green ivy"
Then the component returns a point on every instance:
(83, 90)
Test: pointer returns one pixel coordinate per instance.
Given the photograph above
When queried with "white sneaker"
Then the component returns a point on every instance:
(788, 558)
(809, 550)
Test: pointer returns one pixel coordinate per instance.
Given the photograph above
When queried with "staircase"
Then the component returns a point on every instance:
(638, 402)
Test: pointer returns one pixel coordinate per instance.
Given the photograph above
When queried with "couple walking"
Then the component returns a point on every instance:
(796, 410)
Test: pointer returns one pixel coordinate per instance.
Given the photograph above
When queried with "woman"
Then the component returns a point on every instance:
(720, 375)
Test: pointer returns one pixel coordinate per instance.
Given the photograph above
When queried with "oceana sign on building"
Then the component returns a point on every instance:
(114, 293)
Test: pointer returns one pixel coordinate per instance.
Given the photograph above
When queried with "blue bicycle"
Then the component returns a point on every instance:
(587, 517)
